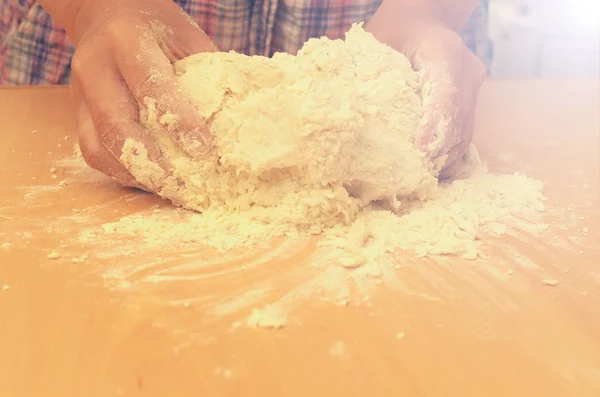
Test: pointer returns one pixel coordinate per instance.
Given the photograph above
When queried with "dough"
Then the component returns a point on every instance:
(304, 142)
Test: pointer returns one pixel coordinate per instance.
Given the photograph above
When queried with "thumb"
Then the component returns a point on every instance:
(188, 40)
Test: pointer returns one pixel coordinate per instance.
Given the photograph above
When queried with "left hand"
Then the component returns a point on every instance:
(452, 78)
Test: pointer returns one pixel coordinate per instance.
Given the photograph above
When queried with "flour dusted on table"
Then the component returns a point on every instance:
(302, 142)
(319, 143)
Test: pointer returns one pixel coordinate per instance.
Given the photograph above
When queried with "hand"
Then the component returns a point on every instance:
(452, 77)
(123, 58)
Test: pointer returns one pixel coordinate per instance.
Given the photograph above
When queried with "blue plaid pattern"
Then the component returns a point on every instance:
(34, 50)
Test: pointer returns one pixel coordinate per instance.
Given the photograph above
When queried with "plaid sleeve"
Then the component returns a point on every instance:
(298, 20)
(475, 33)
(34, 49)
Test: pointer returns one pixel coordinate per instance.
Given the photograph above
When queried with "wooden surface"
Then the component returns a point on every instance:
(109, 326)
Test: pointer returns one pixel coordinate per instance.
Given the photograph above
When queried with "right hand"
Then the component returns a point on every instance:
(124, 55)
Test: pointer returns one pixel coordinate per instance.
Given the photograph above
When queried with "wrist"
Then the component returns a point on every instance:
(401, 25)
(401, 16)
(64, 12)
(75, 16)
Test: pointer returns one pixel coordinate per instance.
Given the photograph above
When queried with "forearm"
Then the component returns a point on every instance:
(63, 12)
(457, 12)
(453, 13)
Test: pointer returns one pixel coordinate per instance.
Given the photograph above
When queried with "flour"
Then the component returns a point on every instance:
(551, 283)
(54, 255)
(338, 349)
(268, 317)
(322, 143)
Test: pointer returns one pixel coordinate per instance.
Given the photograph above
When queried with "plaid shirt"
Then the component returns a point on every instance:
(34, 50)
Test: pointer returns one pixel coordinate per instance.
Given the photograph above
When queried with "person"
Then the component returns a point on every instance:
(115, 53)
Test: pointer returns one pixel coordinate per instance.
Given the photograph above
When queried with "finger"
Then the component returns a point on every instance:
(187, 40)
(474, 74)
(441, 103)
(457, 152)
(114, 114)
(92, 149)
(472, 78)
(150, 79)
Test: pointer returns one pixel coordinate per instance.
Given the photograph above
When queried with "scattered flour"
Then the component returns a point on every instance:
(550, 282)
(321, 143)
(54, 255)
(318, 144)
(268, 317)
(224, 372)
(315, 145)
(338, 349)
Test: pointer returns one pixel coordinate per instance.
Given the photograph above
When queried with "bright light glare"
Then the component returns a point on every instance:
(585, 13)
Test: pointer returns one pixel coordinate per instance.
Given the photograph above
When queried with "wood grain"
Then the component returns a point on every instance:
(109, 326)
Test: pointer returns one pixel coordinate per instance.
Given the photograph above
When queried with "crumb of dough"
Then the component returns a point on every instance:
(77, 152)
(400, 335)
(53, 255)
(52, 170)
(6, 245)
(5, 287)
(79, 259)
(268, 317)
(338, 349)
(224, 372)
(352, 261)
(549, 282)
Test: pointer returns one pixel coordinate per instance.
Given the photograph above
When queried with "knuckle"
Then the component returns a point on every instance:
(455, 42)
(148, 83)
(144, 83)
(114, 28)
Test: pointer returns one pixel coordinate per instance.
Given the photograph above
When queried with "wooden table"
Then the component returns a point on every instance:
(108, 327)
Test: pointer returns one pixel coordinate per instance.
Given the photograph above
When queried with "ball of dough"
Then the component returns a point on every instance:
(304, 140)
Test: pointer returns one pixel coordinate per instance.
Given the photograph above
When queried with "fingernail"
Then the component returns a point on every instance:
(197, 143)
